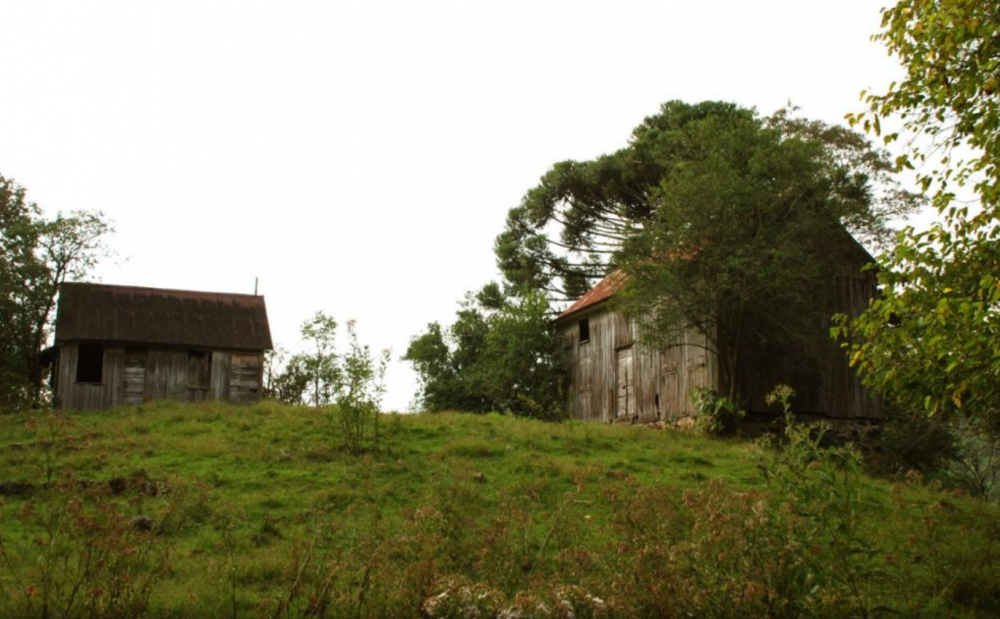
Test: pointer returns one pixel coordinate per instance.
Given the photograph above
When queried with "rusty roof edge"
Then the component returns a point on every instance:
(586, 309)
(601, 292)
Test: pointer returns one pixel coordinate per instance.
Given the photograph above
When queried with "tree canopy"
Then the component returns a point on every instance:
(568, 230)
(748, 231)
(36, 256)
(501, 354)
(932, 339)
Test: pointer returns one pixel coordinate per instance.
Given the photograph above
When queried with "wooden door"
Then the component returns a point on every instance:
(134, 383)
(625, 383)
(199, 375)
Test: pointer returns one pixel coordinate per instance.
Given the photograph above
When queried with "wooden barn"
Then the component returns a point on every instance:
(127, 345)
(614, 378)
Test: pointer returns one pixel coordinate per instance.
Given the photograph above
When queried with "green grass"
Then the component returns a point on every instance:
(260, 483)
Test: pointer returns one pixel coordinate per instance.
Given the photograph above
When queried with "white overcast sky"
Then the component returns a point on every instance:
(360, 157)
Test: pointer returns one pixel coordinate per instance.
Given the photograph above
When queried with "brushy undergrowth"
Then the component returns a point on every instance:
(171, 510)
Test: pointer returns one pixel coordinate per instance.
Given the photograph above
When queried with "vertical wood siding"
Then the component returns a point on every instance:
(815, 367)
(220, 375)
(245, 378)
(134, 382)
(135, 375)
(661, 380)
(625, 384)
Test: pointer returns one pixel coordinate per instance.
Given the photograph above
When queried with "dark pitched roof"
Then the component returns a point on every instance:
(130, 314)
(604, 290)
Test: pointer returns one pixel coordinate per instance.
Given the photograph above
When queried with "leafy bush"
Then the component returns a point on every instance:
(963, 453)
(913, 441)
(352, 382)
(974, 466)
(715, 414)
(821, 485)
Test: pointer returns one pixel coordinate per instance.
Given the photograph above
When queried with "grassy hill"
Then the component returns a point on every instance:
(210, 510)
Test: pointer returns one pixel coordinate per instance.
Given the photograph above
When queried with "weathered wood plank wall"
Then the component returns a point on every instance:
(245, 378)
(824, 382)
(662, 380)
(220, 375)
(136, 375)
(815, 366)
(134, 385)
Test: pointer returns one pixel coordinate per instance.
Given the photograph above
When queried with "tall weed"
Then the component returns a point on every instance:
(822, 485)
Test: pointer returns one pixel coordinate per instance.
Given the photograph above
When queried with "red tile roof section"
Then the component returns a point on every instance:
(600, 293)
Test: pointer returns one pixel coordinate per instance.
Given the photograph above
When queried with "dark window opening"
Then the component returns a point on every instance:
(199, 368)
(585, 330)
(90, 363)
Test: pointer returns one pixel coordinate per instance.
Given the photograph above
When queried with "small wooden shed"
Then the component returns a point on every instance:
(615, 378)
(119, 345)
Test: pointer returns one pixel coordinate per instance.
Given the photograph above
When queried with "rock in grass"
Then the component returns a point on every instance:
(142, 523)
(686, 423)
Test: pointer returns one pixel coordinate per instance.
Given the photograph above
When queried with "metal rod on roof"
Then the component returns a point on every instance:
(255, 281)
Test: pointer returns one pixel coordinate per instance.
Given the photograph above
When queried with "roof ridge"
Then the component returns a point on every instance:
(157, 289)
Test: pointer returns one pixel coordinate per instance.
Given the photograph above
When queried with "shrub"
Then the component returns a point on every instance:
(913, 441)
(963, 453)
(501, 354)
(360, 396)
(822, 486)
(715, 414)
(974, 465)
